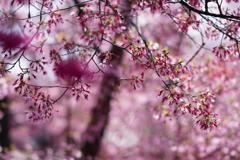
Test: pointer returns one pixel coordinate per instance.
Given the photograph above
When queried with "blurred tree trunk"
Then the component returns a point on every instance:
(91, 139)
(100, 113)
(4, 122)
(69, 137)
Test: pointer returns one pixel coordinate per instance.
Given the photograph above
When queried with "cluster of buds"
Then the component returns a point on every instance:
(79, 88)
(165, 68)
(232, 28)
(195, 3)
(50, 3)
(29, 25)
(105, 24)
(184, 22)
(207, 122)
(199, 107)
(212, 33)
(22, 88)
(52, 22)
(87, 16)
(93, 38)
(106, 58)
(136, 81)
(222, 52)
(56, 17)
(37, 66)
(55, 57)
(41, 110)
(137, 50)
(154, 5)
(42, 106)
(200, 110)
(112, 23)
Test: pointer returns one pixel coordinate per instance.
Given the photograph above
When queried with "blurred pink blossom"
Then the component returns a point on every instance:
(10, 40)
(73, 68)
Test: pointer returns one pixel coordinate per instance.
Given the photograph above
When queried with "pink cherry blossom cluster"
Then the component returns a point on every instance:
(232, 28)
(222, 52)
(51, 3)
(42, 105)
(79, 89)
(199, 107)
(107, 57)
(184, 22)
(55, 57)
(54, 19)
(138, 50)
(195, 3)
(203, 115)
(106, 24)
(154, 5)
(137, 81)
(41, 110)
(212, 33)
(38, 65)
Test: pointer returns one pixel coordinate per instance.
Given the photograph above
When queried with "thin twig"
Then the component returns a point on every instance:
(195, 54)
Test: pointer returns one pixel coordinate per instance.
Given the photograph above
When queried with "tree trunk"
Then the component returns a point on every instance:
(91, 139)
(100, 113)
(4, 122)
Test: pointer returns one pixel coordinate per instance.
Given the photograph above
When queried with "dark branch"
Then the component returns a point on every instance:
(195, 54)
(207, 13)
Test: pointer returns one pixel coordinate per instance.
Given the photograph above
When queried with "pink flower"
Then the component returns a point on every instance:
(73, 68)
(194, 3)
(222, 52)
(10, 40)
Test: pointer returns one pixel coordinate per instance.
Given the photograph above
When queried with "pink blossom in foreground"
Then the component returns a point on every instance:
(10, 40)
(73, 68)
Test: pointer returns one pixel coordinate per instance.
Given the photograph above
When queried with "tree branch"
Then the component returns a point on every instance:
(195, 54)
(207, 13)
